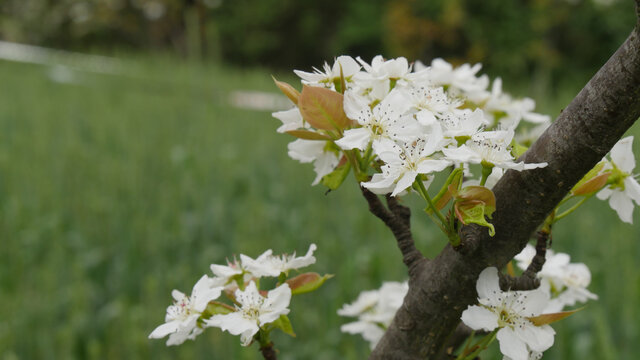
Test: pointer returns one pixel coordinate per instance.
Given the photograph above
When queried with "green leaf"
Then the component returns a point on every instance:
(323, 108)
(474, 212)
(283, 323)
(517, 149)
(334, 179)
(307, 282)
(477, 193)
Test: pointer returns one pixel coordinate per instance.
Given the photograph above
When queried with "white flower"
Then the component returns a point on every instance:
(489, 147)
(331, 74)
(268, 264)
(625, 187)
(460, 79)
(375, 310)
(387, 121)
(306, 151)
(510, 112)
(404, 162)
(253, 311)
(182, 317)
(223, 274)
(509, 311)
(566, 282)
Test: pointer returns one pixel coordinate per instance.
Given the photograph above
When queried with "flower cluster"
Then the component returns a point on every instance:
(402, 122)
(512, 316)
(564, 281)
(250, 312)
(375, 310)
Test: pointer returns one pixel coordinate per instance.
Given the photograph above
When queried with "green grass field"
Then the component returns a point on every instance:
(114, 190)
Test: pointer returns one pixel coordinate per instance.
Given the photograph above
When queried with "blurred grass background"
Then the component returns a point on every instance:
(116, 189)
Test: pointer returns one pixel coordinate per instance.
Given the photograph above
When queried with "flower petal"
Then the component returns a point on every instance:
(488, 284)
(165, 329)
(622, 205)
(538, 338)
(622, 154)
(479, 317)
(234, 323)
(511, 345)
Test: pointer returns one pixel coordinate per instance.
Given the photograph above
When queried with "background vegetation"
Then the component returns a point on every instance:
(114, 190)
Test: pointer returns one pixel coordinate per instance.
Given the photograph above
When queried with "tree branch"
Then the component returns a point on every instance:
(529, 280)
(583, 133)
(397, 218)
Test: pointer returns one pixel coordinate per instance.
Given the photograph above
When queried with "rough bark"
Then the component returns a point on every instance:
(440, 289)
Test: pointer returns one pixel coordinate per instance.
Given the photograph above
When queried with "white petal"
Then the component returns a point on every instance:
(291, 119)
(164, 330)
(276, 304)
(177, 338)
(622, 205)
(234, 323)
(511, 345)
(431, 166)
(632, 188)
(246, 337)
(538, 338)
(604, 194)
(622, 154)
(462, 154)
(488, 286)
(303, 261)
(355, 139)
(404, 182)
(531, 303)
(479, 317)
(178, 295)
(305, 151)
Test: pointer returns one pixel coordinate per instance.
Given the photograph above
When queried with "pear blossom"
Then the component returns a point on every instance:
(566, 282)
(253, 311)
(386, 121)
(509, 111)
(489, 147)
(509, 312)
(268, 264)
(624, 188)
(406, 161)
(458, 80)
(330, 74)
(181, 321)
(375, 310)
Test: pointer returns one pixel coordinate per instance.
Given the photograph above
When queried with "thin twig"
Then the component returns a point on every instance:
(268, 352)
(528, 280)
(397, 219)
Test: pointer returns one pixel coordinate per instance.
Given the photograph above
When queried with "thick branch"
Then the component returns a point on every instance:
(583, 133)
(397, 218)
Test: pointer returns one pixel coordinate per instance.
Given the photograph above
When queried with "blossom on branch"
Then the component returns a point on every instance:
(375, 310)
(510, 312)
(182, 317)
(268, 264)
(253, 312)
(623, 188)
